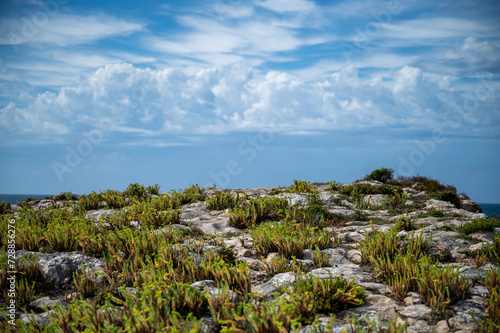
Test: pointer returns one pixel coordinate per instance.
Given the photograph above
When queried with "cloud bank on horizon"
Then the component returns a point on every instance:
(173, 73)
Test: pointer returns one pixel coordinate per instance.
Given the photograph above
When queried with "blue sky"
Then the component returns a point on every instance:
(99, 94)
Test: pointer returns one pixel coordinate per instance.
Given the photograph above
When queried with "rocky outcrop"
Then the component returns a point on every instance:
(448, 246)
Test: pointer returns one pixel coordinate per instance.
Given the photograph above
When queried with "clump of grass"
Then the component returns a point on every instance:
(290, 239)
(320, 259)
(90, 201)
(389, 244)
(478, 225)
(403, 263)
(441, 287)
(85, 282)
(312, 295)
(280, 264)
(254, 211)
(189, 195)
(301, 186)
(334, 185)
(491, 323)
(248, 215)
(153, 308)
(222, 201)
(4, 207)
(492, 251)
(114, 199)
(405, 223)
(269, 317)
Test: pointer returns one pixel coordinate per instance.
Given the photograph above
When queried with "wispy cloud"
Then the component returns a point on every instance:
(64, 29)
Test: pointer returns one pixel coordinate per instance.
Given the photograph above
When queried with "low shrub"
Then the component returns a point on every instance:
(90, 201)
(405, 223)
(364, 189)
(136, 191)
(312, 295)
(447, 196)
(270, 317)
(114, 199)
(381, 175)
(478, 225)
(222, 201)
(290, 239)
(189, 195)
(441, 287)
(426, 184)
(301, 186)
(280, 264)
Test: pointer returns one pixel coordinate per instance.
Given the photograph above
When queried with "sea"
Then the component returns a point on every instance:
(13, 199)
(489, 209)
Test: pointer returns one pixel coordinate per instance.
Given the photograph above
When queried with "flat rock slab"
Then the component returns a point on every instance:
(59, 267)
(345, 272)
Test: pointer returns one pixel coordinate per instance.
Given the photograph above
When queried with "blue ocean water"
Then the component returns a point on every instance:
(490, 209)
(15, 198)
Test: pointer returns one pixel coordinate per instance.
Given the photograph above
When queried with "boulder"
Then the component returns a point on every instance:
(471, 206)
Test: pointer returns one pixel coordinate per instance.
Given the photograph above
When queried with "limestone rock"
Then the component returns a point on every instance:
(97, 214)
(375, 199)
(471, 206)
(40, 304)
(294, 199)
(59, 267)
(439, 205)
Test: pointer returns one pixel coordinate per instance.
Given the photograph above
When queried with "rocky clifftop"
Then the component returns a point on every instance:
(407, 254)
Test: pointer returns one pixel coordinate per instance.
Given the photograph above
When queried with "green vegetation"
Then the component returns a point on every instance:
(405, 266)
(149, 265)
(4, 207)
(426, 184)
(312, 295)
(405, 223)
(381, 175)
(301, 186)
(222, 201)
(356, 189)
(449, 196)
(492, 283)
(281, 264)
(432, 213)
(478, 225)
(290, 239)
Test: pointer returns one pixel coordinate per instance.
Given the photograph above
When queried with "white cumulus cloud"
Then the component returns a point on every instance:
(156, 103)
